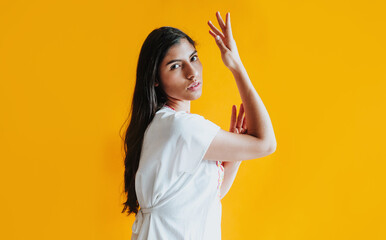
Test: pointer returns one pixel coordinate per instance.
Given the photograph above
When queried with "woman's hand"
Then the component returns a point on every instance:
(226, 43)
(240, 126)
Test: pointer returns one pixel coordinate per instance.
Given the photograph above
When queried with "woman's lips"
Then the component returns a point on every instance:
(196, 87)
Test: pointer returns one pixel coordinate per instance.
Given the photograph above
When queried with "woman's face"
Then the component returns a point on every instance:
(180, 68)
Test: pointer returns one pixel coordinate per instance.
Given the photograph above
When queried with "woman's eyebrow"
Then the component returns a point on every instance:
(176, 60)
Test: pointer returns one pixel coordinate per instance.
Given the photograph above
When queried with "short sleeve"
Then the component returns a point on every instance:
(195, 134)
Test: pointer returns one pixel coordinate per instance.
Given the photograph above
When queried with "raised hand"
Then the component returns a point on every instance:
(226, 43)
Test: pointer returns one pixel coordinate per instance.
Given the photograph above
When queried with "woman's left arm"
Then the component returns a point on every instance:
(231, 168)
(230, 172)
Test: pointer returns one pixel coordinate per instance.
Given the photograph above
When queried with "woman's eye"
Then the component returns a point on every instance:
(173, 66)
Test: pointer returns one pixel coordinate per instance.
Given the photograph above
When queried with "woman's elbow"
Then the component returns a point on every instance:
(272, 148)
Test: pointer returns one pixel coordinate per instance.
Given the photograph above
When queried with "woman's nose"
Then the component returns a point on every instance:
(192, 72)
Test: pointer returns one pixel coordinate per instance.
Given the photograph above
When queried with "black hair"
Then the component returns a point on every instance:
(147, 100)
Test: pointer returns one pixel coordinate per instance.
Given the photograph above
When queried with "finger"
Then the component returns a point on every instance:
(220, 21)
(221, 45)
(228, 26)
(241, 113)
(239, 118)
(233, 118)
(215, 30)
(245, 123)
(241, 109)
(212, 33)
(242, 122)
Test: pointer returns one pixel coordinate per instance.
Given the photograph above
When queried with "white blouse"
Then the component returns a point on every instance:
(178, 191)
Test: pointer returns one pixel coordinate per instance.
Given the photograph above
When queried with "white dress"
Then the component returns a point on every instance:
(177, 190)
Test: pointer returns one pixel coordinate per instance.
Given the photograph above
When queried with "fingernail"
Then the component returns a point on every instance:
(217, 37)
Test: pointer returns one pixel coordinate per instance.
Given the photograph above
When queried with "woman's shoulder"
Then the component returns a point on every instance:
(184, 121)
(166, 112)
(168, 119)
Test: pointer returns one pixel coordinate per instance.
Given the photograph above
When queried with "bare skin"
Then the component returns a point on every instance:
(252, 141)
(177, 76)
(256, 141)
(256, 115)
(242, 142)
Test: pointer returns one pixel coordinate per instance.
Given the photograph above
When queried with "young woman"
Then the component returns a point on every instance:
(178, 164)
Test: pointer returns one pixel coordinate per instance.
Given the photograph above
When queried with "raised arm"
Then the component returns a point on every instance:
(259, 140)
(258, 121)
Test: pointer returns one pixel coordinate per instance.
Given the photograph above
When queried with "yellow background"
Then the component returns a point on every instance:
(67, 72)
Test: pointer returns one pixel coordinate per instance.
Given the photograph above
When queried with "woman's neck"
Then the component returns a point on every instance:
(184, 107)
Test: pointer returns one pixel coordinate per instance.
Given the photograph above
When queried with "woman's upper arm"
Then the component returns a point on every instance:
(228, 146)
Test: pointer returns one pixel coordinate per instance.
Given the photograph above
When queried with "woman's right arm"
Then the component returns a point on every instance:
(259, 141)
(257, 118)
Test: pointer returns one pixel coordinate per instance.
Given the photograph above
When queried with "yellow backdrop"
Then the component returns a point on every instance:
(67, 72)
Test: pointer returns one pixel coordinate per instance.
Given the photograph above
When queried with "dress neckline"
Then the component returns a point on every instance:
(172, 109)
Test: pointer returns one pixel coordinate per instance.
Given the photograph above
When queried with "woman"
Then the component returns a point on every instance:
(178, 164)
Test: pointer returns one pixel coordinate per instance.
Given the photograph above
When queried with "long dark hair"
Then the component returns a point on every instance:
(147, 100)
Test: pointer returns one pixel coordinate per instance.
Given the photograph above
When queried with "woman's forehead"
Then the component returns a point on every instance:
(181, 50)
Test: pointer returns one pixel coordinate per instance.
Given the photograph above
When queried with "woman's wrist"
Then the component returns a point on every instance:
(232, 165)
(238, 67)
